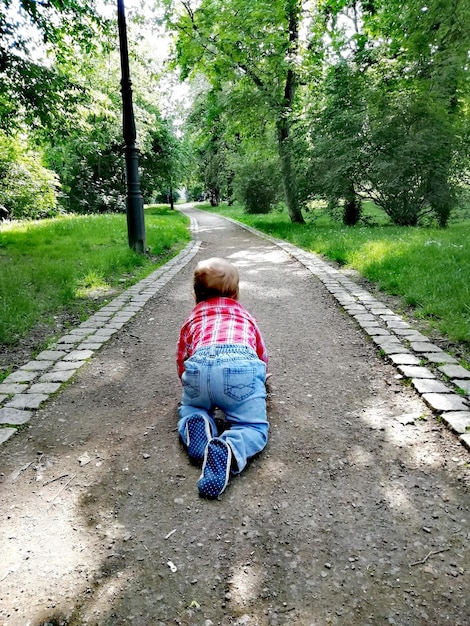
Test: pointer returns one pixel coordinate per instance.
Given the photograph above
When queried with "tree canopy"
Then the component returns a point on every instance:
(339, 100)
(253, 49)
(38, 52)
(61, 111)
(356, 99)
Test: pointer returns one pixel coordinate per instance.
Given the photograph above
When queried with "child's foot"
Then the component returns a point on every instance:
(198, 434)
(216, 468)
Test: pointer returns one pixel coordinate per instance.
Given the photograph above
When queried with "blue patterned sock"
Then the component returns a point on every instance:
(216, 468)
(198, 434)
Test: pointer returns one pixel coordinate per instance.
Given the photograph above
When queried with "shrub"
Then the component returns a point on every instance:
(28, 190)
(257, 186)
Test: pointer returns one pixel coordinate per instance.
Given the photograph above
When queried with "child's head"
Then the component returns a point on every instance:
(215, 278)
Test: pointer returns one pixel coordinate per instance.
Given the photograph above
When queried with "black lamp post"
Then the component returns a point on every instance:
(134, 199)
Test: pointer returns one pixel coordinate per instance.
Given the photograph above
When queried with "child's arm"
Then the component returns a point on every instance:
(182, 352)
(261, 347)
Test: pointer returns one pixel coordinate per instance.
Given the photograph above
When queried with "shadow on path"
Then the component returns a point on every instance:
(357, 513)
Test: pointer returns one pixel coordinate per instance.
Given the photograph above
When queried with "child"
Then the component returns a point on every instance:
(222, 362)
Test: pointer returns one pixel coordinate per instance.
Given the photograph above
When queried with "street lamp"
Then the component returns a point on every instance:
(134, 199)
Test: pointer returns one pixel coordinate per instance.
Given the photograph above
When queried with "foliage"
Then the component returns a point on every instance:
(36, 90)
(59, 87)
(91, 166)
(210, 145)
(167, 196)
(408, 158)
(27, 188)
(257, 185)
(251, 50)
(395, 106)
(365, 99)
(352, 99)
(90, 157)
(396, 150)
(335, 167)
(163, 157)
(195, 190)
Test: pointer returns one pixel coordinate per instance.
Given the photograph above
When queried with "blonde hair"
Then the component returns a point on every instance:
(214, 278)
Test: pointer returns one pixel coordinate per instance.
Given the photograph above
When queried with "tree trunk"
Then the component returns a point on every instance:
(214, 196)
(352, 207)
(283, 125)
(289, 180)
(230, 177)
(172, 204)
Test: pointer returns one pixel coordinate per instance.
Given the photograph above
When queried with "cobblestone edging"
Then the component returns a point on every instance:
(32, 384)
(434, 374)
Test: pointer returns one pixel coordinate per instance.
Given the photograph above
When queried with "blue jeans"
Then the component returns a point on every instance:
(231, 378)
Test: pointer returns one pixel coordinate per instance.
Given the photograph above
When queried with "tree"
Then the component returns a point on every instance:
(208, 134)
(89, 157)
(162, 159)
(44, 92)
(90, 164)
(400, 133)
(67, 105)
(337, 137)
(257, 183)
(253, 47)
(406, 158)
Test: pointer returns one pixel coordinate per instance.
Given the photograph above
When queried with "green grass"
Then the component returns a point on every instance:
(76, 263)
(428, 268)
(71, 263)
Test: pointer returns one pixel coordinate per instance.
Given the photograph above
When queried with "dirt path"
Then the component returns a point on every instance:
(350, 517)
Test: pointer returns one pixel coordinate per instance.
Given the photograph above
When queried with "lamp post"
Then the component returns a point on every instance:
(134, 199)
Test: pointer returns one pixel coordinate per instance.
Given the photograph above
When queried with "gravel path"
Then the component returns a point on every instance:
(357, 513)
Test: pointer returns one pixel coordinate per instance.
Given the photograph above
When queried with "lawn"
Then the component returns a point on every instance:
(76, 263)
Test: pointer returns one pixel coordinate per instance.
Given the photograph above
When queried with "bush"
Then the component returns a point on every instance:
(195, 192)
(163, 197)
(257, 186)
(28, 190)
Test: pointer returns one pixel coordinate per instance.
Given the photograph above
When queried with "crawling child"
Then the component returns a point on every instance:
(222, 361)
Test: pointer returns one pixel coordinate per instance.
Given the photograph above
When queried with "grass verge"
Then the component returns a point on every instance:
(427, 268)
(76, 264)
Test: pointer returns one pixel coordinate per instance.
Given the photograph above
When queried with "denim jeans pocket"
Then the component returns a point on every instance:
(239, 382)
(190, 380)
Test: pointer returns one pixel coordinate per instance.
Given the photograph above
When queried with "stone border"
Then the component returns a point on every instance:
(437, 382)
(27, 388)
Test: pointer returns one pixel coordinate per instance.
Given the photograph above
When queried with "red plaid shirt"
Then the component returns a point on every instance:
(218, 321)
